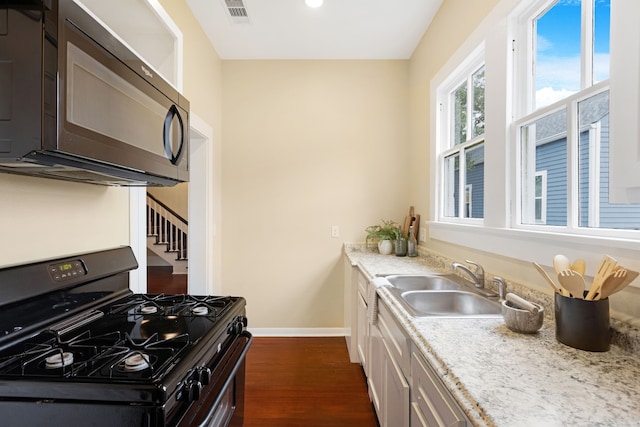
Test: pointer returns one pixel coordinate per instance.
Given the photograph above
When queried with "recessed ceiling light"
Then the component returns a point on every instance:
(313, 3)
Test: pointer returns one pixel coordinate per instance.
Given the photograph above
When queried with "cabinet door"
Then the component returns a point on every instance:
(376, 374)
(362, 331)
(397, 342)
(396, 402)
(430, 400)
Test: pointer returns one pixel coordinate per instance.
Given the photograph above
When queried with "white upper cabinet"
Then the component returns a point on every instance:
(624, 161)
(147, 29)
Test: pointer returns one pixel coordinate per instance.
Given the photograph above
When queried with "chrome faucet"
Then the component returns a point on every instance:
(502, 287)
(477, 278)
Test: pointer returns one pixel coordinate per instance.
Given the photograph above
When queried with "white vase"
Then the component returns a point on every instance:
(385, 247)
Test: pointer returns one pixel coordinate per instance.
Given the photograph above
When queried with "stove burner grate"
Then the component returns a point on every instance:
(170, 305)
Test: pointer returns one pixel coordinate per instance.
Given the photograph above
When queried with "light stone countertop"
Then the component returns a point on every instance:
(502, 378)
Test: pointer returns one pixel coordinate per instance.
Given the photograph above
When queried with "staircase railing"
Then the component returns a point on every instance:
(167, 227)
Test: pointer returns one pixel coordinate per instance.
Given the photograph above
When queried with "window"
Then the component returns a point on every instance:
(462, 143)
(563, 132)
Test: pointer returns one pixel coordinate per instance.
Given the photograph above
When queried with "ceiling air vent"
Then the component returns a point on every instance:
(237, 11)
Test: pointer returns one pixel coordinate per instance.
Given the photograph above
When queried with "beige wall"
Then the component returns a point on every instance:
(307, 145)
(44, 218)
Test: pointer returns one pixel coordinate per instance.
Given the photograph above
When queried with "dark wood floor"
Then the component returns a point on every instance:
(161, 280)
(293, 382)
(309, 382)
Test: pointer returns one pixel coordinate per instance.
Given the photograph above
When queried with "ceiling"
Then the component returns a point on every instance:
(340, 29)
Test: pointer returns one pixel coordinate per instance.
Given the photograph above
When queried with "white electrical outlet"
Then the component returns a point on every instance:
(335, 231)
(423, 235)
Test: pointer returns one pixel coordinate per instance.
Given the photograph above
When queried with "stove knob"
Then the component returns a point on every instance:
(204, 375)
(194, 388)
(238, 327)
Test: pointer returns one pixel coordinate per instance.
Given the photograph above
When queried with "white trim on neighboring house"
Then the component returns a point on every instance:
(543, 198)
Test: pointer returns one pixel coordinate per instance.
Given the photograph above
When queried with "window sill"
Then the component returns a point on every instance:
(538, 246)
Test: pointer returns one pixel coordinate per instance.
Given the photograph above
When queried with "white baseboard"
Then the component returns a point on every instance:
(298, 332)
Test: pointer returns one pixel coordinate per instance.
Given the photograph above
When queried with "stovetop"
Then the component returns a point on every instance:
(136, 338)
(75, 319)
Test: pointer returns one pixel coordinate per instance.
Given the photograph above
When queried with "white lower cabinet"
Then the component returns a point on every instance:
(388, 387)
(431, 403)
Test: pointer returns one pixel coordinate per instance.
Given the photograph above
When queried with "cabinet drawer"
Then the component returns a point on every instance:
(397, 342)
(431, 403)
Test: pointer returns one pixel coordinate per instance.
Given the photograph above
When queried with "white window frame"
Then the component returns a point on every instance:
(522, 66)
(496, 35)
(463, 73)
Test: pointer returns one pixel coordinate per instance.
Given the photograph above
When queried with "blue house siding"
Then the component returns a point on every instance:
(475, 177)
(552, 157)
(612, 216)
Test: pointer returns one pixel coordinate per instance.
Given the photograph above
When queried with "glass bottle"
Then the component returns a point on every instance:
(412, 243)
(401, 244)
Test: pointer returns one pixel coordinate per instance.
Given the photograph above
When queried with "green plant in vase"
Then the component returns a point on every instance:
(384, 234)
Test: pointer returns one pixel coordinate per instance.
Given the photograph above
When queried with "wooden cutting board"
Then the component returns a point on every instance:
(411, 220)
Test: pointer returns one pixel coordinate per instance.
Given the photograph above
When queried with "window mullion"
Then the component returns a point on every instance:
(586, 66)
(461, 183)
(594, 174)
(573, 134)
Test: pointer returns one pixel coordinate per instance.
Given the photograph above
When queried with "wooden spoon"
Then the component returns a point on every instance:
(573, 282)
(611, 283)
(561, 263)
(579, 266)
(548, 279)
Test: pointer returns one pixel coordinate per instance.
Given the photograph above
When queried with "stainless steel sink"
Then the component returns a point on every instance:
(458, 304)
(425, 283)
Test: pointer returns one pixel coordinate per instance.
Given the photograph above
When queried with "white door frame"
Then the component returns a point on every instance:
(202, 277)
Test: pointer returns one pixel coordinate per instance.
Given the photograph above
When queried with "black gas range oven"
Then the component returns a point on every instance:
(77, 347)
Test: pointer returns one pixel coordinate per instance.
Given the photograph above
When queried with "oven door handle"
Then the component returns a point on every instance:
(229, 378)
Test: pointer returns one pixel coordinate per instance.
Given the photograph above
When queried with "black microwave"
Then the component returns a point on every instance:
(76, 103)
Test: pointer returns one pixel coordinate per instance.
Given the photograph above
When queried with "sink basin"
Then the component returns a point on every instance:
(460, 304)
(425, 283)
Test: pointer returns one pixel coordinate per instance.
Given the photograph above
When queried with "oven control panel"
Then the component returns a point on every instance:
(67, 270)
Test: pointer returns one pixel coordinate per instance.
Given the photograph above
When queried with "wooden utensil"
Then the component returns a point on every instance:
(604, 269)
(611, 283)
(547, 278)
(579, 266)
(561, 263)
(631, 276)
(573, 282)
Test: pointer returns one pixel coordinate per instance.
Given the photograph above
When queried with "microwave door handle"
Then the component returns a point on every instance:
(166, 135)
